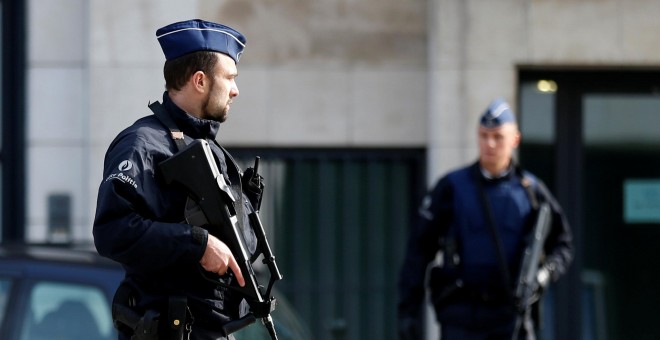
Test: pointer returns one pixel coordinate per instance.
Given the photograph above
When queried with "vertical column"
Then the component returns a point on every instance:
(13, 119)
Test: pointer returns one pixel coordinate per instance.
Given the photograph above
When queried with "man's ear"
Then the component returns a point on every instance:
(517, 138)
(198, 80)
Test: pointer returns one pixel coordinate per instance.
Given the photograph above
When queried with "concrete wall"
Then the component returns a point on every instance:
(58, 112)
(335, 73)
(332, 73)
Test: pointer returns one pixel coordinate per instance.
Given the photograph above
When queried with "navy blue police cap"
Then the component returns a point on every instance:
(497, 113)
(184, 37)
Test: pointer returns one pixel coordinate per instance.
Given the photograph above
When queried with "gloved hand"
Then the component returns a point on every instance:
(253, 187)
(410, 328)
(543, 277)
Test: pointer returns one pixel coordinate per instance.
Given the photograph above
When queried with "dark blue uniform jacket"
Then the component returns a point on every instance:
(453, 211)
(140, 220)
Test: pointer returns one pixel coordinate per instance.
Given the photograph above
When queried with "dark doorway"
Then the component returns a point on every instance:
(339, 220)
(592, 136)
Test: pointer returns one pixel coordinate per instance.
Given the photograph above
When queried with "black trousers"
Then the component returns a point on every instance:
(500, 332)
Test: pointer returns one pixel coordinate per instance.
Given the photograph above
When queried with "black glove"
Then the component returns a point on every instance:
(410, 328)
(253, 187)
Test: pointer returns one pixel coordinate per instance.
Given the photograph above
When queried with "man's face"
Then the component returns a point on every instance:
(223, 89)
(496, 145)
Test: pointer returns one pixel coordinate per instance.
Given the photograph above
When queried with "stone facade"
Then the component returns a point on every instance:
(331, 73)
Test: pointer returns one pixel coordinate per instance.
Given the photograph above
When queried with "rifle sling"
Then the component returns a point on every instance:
(488, 212)
(490, 219)
(176, 134)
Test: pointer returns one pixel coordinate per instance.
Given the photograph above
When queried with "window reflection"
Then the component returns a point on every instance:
(621, 120)
(67, 311)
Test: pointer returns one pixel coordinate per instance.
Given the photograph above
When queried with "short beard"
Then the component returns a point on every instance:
(207, 114)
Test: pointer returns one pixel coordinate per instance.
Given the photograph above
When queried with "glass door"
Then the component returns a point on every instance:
(621, 183)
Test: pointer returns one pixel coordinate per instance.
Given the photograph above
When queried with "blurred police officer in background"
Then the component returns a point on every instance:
(478, 218)
(140, 221)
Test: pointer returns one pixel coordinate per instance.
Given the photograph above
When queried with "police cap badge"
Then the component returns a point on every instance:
(497, 113)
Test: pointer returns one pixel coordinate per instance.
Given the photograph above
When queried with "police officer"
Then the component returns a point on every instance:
(478, 218)
(140, 220)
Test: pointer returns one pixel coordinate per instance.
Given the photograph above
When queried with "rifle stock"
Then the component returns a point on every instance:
(194, 168)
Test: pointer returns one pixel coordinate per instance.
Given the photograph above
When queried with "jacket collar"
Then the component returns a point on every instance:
(189, 125)
(488, 177)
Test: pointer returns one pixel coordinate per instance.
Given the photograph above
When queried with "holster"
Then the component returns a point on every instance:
(150, 324)
(177, 318)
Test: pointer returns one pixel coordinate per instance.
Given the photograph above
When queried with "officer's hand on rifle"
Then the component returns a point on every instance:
(218, 259)
(543, 277)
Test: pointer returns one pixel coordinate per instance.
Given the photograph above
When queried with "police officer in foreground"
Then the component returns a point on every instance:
(479, 219)
(140, 221)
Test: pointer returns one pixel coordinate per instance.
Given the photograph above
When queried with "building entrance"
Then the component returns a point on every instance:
(593, 137)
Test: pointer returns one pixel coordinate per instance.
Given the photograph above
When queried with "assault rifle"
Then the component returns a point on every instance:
(526, 285)
(195, 169)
